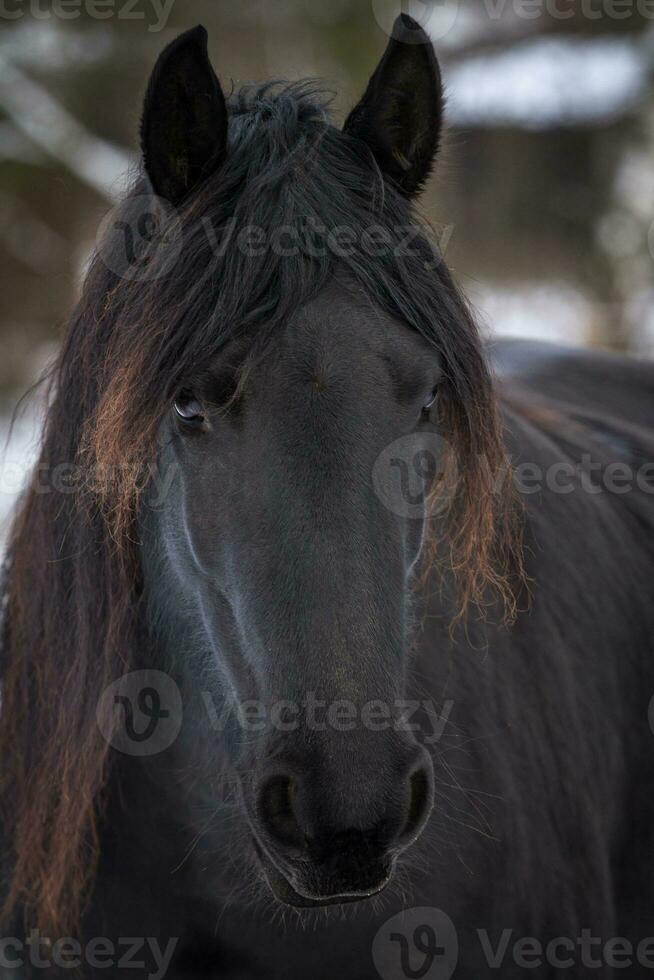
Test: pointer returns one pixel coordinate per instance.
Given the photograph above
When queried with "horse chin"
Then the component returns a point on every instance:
(288, 894)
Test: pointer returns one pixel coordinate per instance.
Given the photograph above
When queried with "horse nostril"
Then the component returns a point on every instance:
(276, 812)
(421, 795)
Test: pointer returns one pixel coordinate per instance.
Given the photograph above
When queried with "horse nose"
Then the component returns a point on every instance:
(334, 846)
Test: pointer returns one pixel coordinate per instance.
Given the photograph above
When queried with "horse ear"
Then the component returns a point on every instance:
(184, 124)
(400, 114)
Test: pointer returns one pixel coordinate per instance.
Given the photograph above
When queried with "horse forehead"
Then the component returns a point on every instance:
(336, 336)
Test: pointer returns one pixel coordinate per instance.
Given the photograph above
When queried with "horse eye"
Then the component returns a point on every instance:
(188, 408)
(431, 400)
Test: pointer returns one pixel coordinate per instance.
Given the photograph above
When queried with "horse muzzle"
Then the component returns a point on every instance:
(324, 837)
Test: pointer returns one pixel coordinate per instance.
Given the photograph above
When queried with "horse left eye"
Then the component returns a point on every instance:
(431, 400)
(188, 408)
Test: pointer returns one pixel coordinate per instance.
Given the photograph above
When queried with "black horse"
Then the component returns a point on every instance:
(327, 650)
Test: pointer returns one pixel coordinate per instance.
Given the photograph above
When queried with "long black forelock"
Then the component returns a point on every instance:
(291, 180)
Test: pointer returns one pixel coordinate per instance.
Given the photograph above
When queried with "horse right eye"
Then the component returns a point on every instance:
(431, 400)
(188, 408)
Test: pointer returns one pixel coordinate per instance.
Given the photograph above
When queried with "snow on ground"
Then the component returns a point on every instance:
(18, 450)
(548, 81)
(539, 311)
(52, 45)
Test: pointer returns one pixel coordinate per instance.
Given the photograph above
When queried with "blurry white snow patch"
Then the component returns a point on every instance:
(554, 311)
(547, 82)
(48, 45)
(18, 452)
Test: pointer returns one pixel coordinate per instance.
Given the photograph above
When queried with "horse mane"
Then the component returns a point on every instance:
(74, 590)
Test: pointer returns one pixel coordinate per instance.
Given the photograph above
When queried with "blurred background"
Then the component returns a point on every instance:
(543, 196)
